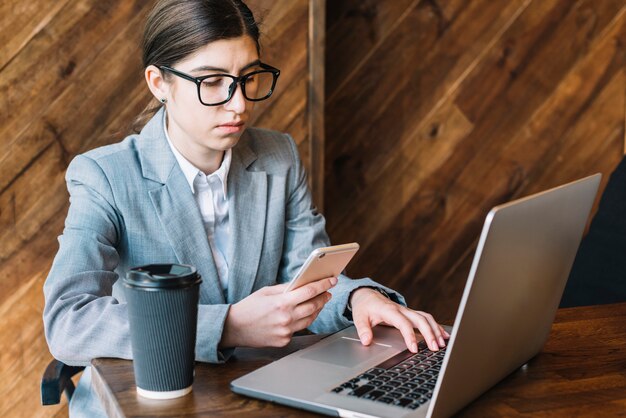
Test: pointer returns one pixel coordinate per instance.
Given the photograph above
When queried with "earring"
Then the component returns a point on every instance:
(164, 100)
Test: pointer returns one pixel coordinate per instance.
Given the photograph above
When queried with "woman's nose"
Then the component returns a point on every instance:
(237, 103)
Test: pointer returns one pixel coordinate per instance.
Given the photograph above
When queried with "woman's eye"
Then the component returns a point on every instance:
(252, 79)
(213, 82)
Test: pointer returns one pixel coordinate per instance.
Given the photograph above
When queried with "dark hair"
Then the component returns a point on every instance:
(176, 29)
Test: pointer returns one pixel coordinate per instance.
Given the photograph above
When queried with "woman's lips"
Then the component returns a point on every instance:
(231, 128)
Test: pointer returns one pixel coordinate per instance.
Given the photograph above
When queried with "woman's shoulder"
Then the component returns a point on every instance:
(109, 160)
(126, 147)
(271, 146)
(266, 137)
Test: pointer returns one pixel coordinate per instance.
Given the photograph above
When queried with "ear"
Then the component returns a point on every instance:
(156, 83)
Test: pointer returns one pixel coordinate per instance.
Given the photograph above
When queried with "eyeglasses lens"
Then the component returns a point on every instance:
(216, 89)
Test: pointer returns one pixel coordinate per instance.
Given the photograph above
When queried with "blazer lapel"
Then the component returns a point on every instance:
(180, 219)
(176, 208)
(247, 211)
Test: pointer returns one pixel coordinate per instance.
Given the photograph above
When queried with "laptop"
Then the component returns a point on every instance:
(522, 262)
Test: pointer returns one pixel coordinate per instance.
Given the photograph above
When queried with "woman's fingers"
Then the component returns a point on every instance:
(373, 309)
(312, 306)
(363, 328)
(434, 326)
(445, 333)
(305, 321)
(311, 290)
(397, 319)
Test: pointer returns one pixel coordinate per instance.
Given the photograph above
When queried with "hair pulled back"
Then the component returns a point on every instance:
(176, 29)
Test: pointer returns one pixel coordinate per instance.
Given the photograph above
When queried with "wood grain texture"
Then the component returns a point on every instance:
(211, 396)
(436, 110)
(452, 107)
(579, 372)
(317, 40)
(71, 80)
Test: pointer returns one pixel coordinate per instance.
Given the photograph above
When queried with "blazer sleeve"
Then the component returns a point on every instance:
(304, 232)
(82, 320)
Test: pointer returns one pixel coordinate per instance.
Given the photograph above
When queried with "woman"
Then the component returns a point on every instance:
(197, 186)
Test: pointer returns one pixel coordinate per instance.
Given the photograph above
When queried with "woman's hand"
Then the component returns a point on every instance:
(370, 308)
(269, 317)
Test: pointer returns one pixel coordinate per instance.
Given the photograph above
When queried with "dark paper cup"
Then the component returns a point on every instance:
(163, 313)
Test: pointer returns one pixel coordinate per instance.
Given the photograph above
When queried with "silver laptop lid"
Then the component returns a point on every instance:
(522, 262)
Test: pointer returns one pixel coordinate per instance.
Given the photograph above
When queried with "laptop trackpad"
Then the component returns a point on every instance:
(345, 352)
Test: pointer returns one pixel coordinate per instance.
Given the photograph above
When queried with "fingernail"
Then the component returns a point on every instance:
(446, 333)
(442, 343)
(433, 345)
(333, 280)
(414, 348)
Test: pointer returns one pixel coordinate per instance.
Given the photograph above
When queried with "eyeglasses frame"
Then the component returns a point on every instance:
(237, 80)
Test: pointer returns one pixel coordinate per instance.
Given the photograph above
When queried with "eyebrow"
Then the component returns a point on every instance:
(209, 68)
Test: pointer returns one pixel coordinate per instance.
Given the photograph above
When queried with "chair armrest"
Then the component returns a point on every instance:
(57, 379)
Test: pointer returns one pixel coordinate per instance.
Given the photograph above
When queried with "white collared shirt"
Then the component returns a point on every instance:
(210, 193)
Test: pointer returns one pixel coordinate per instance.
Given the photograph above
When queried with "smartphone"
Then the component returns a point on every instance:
(324, 262)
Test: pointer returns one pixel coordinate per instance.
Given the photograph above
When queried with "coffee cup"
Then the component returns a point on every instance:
(162, 301)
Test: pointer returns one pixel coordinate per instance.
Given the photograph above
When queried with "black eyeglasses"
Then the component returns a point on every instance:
(217, 89)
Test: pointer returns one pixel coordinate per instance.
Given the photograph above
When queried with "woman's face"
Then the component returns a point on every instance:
(197, 129)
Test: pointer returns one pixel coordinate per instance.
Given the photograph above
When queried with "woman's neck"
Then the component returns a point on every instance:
(205, 159)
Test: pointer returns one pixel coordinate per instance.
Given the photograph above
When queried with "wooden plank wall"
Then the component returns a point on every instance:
(71, 80)
(438, 110)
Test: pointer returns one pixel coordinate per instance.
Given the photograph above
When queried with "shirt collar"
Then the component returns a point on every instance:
(191, 172)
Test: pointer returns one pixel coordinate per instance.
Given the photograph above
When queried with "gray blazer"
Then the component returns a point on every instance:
(131, 205)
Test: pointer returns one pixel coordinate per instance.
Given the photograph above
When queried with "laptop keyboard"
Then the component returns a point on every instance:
(406, 379)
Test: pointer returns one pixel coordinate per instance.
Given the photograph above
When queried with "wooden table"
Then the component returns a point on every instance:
(580, 372)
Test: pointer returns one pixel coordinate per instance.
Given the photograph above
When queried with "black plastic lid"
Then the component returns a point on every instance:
(162, 276)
